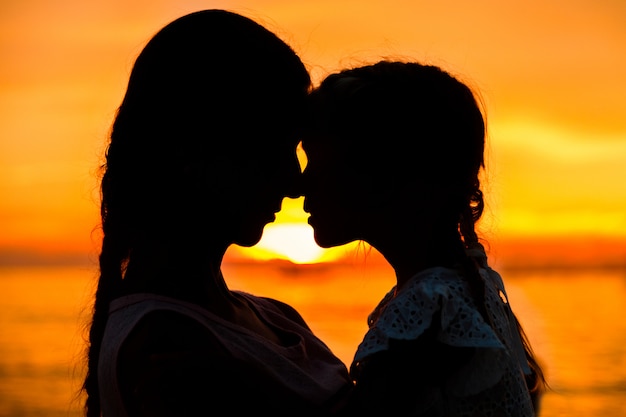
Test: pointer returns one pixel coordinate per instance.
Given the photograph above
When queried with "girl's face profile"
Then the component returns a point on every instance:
(333, 194)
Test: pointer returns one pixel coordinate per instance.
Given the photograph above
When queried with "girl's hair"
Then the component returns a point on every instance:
(199, 88)
(433, 131)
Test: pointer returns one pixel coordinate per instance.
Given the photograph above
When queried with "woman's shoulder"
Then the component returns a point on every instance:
(272, 306)
(172, 361)
(165, 333)
(166, 329)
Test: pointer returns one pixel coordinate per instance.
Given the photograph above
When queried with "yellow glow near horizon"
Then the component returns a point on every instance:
(293, 242)
(546, 180)
(291, 238)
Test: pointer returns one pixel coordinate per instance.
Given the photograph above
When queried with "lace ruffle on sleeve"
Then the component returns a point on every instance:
(412, 310)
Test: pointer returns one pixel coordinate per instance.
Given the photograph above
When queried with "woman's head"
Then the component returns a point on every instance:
(387, 137)
(202, 151)
(206, 132)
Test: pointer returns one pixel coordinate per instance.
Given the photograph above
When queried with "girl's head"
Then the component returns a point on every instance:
(204, 140)
(394, 146)
(393, 137)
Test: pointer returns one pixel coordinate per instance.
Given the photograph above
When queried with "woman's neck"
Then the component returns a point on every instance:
(192, 274)
(187, 272)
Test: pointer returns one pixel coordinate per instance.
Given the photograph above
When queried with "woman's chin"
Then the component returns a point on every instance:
(249, 239)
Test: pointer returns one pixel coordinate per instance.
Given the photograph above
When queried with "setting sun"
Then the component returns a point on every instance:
(291, 238)
(290, 241)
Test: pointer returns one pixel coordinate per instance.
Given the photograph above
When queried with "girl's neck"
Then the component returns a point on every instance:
(411, 253)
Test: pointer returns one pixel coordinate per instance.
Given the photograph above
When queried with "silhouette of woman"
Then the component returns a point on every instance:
(394, 154)
(201, 154)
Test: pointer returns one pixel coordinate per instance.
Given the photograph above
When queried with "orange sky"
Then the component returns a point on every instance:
(552, 74)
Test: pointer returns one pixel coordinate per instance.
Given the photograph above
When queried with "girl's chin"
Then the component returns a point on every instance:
(325, 241)
(326, 236)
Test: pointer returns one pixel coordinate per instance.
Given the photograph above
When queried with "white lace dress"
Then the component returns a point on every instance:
(492, 383)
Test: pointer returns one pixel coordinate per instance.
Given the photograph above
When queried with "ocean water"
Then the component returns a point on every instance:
(574, 318)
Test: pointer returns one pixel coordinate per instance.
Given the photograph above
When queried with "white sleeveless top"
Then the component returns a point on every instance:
(308, 369)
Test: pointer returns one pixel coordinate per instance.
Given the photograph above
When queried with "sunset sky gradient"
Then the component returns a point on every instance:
(551, 74)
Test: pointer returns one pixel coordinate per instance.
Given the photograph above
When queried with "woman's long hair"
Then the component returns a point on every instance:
(211, 71)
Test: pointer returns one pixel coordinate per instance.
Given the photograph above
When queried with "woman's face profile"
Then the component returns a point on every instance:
(262, 176)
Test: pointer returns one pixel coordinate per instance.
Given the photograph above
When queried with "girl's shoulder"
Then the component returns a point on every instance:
(437, 298)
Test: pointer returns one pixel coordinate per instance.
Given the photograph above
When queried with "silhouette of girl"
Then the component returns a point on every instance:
(394, 155)
(201, 154)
